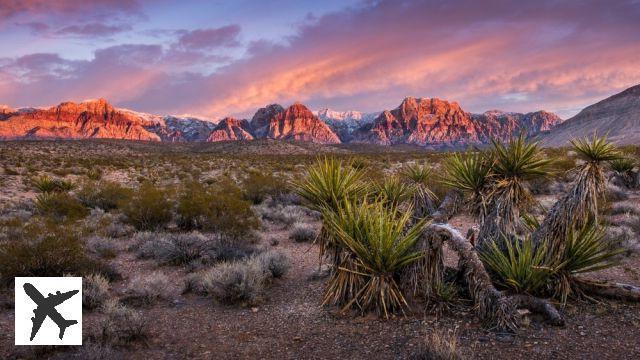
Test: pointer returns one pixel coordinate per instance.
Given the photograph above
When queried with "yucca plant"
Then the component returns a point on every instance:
(586, 250)
(622, 165)
(514, 164)
(580, 205)
(381, 242)
(423, 199)
(519, 266)
(328, 183)
(623, 168)
(392, 192)
(46, 184)
(471, 173)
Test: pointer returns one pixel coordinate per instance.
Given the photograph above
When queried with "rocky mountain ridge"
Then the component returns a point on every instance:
(418, 121)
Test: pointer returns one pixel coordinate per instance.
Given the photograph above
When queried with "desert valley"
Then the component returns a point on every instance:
(319, 180)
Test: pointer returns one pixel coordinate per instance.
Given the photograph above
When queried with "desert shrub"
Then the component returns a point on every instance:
(60, 206)
(122, 325)
(97, 351)
(46, 184)
(285, 215)
(302, 232)
(275, 262)
(145, 290)
(149, 209)
(95, 290)
(257, 186)
(105, 195)
(94, 174)
(183, 249)
(243, 282)
(236, 283)
(43, 249)
(628, 209)
(220, 209)
(615, 193)
(102, 247)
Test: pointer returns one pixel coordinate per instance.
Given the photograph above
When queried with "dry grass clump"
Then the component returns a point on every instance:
(122, 325)
(242, 282)
(303, 232)
(439, 345)
(149, 209)
(147, 289)
(95, 291)
(286, 215)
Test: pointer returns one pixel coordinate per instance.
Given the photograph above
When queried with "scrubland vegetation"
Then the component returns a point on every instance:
(507, 235)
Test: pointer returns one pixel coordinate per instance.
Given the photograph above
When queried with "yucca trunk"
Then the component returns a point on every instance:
(426, 275)
(576, 208)
(503, 215)
(423, 202)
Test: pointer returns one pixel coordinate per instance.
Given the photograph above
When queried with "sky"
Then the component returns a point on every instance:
(228, 58)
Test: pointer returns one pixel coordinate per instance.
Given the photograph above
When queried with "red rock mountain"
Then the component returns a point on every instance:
(435, 122)
(299, 123)
(88, 120)
(618, 116)
(262, 118)
(230, 129)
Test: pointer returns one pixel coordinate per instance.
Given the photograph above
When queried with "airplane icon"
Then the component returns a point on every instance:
(47, 307)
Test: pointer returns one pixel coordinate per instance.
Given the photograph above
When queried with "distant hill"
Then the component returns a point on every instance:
(618, 116)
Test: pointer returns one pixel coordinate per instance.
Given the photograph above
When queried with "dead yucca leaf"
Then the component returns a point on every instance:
(380, 243)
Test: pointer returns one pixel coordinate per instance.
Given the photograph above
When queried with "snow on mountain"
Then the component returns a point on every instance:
(344, 123)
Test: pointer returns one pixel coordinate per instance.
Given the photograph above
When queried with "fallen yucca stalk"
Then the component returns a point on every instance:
(380, 244)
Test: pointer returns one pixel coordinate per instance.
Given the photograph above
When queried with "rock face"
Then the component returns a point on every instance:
(262, 118)
(178, 129)
(439, 123)
(617, 116)
(88, 120)
(230, 129)
(345, 123)
(299, 123)
(502, 125)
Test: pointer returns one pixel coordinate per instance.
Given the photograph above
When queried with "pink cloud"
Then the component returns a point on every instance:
(206, 39)
(93, 29)
(514, 55)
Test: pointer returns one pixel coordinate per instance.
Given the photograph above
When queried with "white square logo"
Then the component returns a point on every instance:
(48, 310)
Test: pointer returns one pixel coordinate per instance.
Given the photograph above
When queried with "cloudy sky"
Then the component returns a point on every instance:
(218, 58)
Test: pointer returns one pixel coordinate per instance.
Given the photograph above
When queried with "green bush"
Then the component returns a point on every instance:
(149, 209)
(60, 205)
(219, 209)
(258, 186)
(43, 248)
(105, 195)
